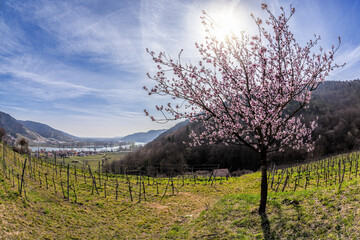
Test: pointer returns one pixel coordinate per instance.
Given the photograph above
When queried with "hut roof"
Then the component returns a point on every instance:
(224, 172)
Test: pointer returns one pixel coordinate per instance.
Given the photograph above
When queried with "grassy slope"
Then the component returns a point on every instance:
(311, 214)
(46, 215)
(227, 210)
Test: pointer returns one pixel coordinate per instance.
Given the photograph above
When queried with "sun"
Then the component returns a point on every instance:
(226, 24)
(230, 19)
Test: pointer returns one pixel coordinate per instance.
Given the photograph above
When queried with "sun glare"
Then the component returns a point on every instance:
(230, 18)
(226, 25)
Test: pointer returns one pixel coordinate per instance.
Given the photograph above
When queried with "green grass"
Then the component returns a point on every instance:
(310, 214)
(196, 210)
(91, 160)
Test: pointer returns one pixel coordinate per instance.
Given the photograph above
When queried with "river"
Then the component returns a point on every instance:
(86, 149)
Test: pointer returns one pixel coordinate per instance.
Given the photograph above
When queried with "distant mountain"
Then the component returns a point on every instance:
(41, 133)
(34, 131)
(174, 128)
(143, 136)
(48, 132)
(15, 129)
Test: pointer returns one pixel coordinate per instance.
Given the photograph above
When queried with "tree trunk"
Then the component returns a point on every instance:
(264, 187)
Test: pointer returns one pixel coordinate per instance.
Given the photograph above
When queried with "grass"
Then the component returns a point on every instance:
(311, 214)
(196, 210)
(45, 215)
(91, 160)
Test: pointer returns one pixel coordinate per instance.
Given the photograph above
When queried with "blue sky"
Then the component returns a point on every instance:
(79, 66)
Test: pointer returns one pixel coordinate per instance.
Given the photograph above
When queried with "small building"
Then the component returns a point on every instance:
(224, 172)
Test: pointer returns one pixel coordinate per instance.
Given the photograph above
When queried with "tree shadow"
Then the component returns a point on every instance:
(265, 225)
(297, 229)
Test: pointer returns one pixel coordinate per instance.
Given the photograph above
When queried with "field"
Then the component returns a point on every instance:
(47, 201)
(92, 160)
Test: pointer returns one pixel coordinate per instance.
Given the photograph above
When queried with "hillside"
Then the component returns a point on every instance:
(314, 201)
(34, 131)
(143, 136)
(336, 104)
(14, 128)
(47, 131)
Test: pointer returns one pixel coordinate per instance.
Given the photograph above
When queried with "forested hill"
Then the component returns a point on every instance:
(143, 136)
(335, 103)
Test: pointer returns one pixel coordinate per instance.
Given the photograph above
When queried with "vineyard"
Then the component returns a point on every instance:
(86, 202)
(74, 183)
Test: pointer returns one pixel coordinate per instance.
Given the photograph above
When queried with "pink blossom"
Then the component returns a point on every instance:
(242, 88)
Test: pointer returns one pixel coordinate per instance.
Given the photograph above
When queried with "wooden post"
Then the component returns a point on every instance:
(74, 190)
(94, 181)
(99, 175)
(40, 179)
(116, 189)
(54, 184)
(273, 175)
(62, 188)
(140, 189)
(357, 164)
(350, 168)
(130, 191)
(68, 182)
(18, 178)
(342, 178)
(25, 193)
(144, 190)
(46, 174)
(55, 165)
(75, 174)
(22, 177)
(12, 170)
(4, 163)
(61, 166)
(286, 181)
(165, 189)
(83, 168)
(157, 187)
(279, 181)
(306, 181)
(30, 166)
(339, 170)
(15, 162)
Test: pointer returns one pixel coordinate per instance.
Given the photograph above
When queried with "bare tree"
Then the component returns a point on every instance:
(24, 145)
(2, 133)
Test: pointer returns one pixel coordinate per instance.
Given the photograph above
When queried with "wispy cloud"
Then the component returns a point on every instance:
(107, 37)
(351, 56)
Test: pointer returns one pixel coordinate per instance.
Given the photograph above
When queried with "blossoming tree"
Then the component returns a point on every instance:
(246, 90)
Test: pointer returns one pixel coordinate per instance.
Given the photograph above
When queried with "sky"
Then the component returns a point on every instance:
(79, 66)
